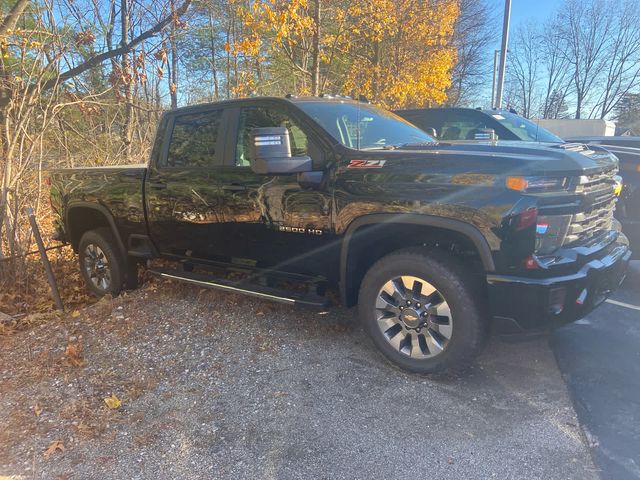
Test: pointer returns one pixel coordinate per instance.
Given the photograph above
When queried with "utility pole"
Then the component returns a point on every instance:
(493, 82)
(503, 54)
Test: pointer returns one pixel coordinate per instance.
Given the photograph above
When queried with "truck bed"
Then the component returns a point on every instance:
(116, 190)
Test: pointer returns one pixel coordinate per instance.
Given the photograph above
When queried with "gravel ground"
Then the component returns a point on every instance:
(220, 386)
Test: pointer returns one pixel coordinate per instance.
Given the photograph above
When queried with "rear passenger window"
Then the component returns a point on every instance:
(193, 140)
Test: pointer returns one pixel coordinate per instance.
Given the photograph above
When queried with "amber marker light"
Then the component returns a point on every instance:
(517, 183)
(617, 190)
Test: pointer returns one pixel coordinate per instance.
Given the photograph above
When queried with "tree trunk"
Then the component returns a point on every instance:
(315, 50)
(11, 20)
(228, 64)
(5, 180)
(127, 77)
(578, 104)
(173, 87)
(214, 67)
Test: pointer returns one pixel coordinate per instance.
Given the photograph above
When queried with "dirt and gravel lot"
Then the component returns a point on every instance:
(214, 385)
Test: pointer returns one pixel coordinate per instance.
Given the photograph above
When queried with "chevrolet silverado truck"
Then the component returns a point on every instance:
(285, 198)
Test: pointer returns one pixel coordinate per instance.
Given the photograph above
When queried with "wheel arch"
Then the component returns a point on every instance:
(84, 216)
(351, 274)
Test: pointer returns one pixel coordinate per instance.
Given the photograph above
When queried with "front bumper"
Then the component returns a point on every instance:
(523, 304)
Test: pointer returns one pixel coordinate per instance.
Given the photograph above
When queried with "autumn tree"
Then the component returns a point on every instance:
(402, 51)
(586, 27)
(474, 34)
(524, 73)
(285, 34)
(622, 58)
(393, 52)
(555, 65)
(52, 59)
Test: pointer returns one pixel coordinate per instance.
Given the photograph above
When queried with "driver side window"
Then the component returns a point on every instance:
(258, 117)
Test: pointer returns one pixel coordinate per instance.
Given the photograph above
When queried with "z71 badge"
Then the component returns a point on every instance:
(366, 164)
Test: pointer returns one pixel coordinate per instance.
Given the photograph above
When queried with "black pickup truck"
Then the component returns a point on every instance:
(436, 243)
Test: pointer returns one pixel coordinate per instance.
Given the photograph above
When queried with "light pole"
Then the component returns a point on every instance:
(493, 82)
(503, 54)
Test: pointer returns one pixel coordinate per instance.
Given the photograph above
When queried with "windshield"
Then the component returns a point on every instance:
(524, 129)
(362, 126)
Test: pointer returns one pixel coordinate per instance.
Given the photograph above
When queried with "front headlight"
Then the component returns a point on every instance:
(537, 184)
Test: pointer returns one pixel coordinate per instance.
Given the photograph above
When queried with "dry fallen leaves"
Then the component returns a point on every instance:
(75, 313)
(37, 409)
(113, 402)
(53, 446)
(74, 353)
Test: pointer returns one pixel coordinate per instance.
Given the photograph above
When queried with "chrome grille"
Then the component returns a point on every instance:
(599, 192)
(598, 184)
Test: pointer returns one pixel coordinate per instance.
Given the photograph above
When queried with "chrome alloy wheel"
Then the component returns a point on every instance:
(96, 266)
(414, 317)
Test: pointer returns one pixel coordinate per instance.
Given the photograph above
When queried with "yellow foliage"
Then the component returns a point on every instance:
(113, 402)
(395, 52)
(407, 56)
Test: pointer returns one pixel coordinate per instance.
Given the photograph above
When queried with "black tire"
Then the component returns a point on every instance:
(102, 243)
(467, 326)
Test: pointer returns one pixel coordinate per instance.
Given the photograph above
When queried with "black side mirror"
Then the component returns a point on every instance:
(270, 152)
(431, 132)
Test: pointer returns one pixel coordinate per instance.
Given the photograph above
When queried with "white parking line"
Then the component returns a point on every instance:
(622, 304)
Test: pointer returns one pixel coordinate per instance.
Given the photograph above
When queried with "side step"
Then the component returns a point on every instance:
(244, 287)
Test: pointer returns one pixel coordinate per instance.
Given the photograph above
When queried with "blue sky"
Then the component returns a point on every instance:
(525, 10)
(522, 11)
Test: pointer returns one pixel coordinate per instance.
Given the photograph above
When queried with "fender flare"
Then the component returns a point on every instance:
(104, 211)
(466, 229)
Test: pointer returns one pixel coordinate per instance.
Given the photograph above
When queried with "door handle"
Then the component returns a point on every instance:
(158, 186)
(234, 187)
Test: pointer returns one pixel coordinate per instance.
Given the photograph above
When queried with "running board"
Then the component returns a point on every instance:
(243, 287)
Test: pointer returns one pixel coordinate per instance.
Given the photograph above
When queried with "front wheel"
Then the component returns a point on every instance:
(101, 264)
(421, 309)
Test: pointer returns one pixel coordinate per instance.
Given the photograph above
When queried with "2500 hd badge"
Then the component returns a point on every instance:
(310, 231)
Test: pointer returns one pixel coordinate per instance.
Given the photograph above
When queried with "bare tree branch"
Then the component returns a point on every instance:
(98, 59)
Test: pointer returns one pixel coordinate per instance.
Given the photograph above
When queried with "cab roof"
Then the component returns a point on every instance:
(247, 100)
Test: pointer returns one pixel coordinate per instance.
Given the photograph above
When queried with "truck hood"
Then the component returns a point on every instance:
(515, 158)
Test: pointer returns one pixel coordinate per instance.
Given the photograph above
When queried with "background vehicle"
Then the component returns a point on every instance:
(454, 124)
(451, 124)
(430, 240)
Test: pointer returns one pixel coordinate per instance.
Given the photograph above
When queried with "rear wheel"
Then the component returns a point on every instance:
(101, 265)
(422, 311)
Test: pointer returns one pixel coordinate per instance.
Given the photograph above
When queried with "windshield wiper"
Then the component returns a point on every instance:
(400, 146)
(417, 144)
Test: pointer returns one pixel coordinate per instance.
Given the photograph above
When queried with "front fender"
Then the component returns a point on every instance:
(468, 230)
